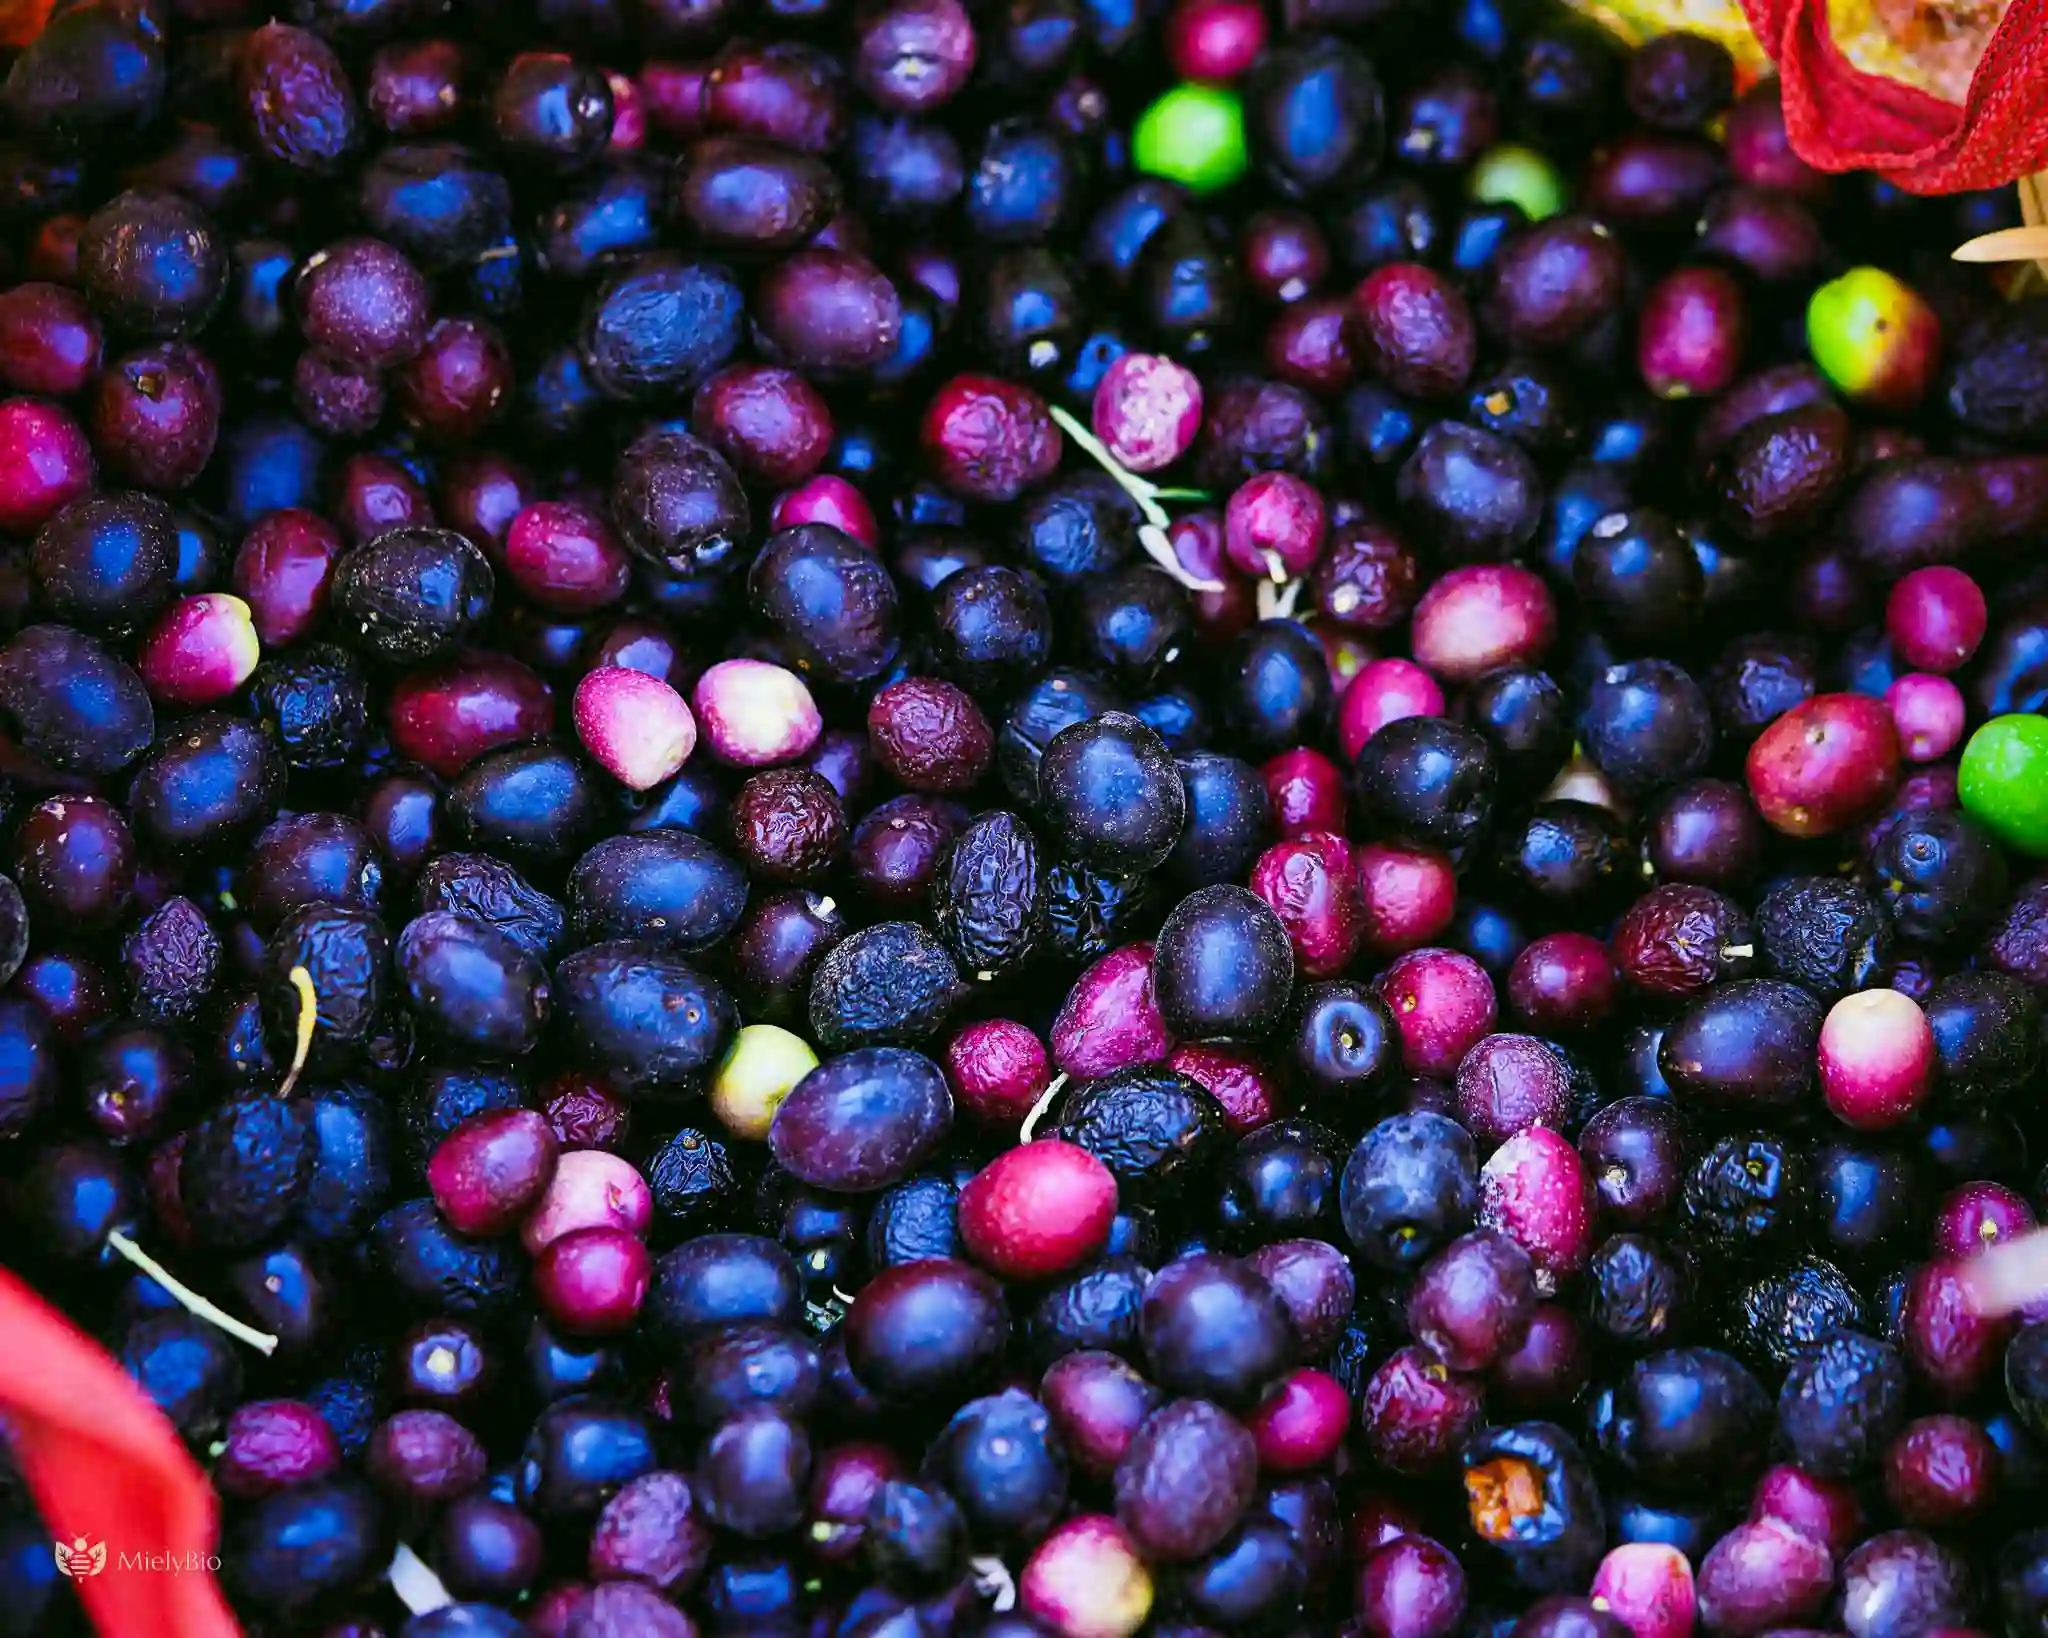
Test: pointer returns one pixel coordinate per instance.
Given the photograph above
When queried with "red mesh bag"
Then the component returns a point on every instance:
(105, 1465)
(1841, 117)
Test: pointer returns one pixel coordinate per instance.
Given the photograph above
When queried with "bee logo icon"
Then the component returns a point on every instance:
(82, 1559)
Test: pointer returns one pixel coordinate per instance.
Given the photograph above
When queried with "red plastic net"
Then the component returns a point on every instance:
(1842, 117)
(126, 1506)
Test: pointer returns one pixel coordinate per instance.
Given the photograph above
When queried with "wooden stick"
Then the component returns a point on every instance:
(2020, 244)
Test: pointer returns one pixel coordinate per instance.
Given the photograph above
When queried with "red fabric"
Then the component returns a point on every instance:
(105, 1464)
(1842, 119)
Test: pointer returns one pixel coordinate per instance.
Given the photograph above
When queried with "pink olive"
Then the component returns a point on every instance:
(1037, 1210)
(492, 1170)
(827, 499)
(1930, 714)
(272, 1444)
(1248, 1091)
(453, 711)
(1147, 410)
(1087, 1580)
(1935, 618)
(1825, 1509)
(1480, 617)
(1442, 1002)
(591, 1282)
(1109, 1020)
(1824, 765)
(1409, 895)
(566, 558)
(1877, 1059)
(752, 714)
(997, 1069)
(1536, 1191)
(1306, 790)
(635, 726)
(1309, 884)
(1691, 335)
(1385, 691)
(200, 650)
(592, 1188)
(1301, 1423)
(1648, 1587)
(282, 571)
(1273, 526)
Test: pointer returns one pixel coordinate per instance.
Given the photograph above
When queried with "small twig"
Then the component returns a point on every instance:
(1038, 1109)
(309, 1014)
(417, 1587)
(992, 1579)
(188, 1299)
(1142, 490)
(1152, 534)
(2008, 1277)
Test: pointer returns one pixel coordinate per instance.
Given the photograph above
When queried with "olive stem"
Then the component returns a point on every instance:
(1160, 550)
(1152, 533)
(1039, 1109)
(417, 1587)
(1142, 490)
(188, 1299)
(309, 1013)
(1276, 602)
(992, 1579)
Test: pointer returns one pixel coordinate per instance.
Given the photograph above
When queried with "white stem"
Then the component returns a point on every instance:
(1141, 490)
(1276, 602)
(1159, 548)
(1039, 1109)
(418, 1588)
(188, 1299)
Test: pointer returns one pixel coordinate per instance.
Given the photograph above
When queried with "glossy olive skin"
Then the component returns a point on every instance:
(74, 705)
(1749, 1043)
(479, 990)
(1223, 966)
(831, 598)
(1410, 1186)
(664, 886)
(926, 1327)
(1428, 781)
(863, 1120)
(1112, 798)
(651, 1021)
